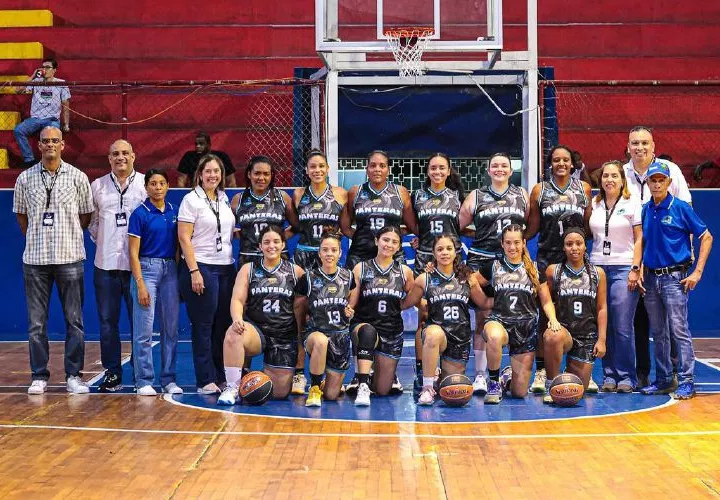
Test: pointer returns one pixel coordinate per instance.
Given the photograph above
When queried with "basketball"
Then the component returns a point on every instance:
(256, 388)
(566, 389)
(456, 390)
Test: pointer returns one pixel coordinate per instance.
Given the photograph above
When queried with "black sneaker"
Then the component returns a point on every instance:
(112, 383)
(417, 386)
(397, 388)
(352, 387)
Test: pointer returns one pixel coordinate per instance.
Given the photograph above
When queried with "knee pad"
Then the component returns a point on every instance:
(367, 338)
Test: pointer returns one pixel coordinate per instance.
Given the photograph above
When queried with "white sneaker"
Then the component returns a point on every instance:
(427, 396)
(147, 390)
(363, 395)
(593, 387)
(37, 387)
(480, 385)
(538, 385)
(172, 388)
(210, 388)
(75, 385)
(298, 384)
(229, 397)
(396, 388)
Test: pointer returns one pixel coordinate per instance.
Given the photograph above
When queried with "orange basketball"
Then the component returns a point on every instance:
(255, 388)
(456, 390)
(566, 389)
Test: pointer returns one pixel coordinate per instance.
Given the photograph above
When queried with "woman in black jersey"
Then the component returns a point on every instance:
(373, 205)
(263, 318)
(578, 289)
(325, 292)
(519, 292)
(377, 326)
(318, 207)
(448, 289)
(258, 206)
(555, 205)
(490, 209)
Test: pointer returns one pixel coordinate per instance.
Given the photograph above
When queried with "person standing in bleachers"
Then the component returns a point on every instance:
(190, 160)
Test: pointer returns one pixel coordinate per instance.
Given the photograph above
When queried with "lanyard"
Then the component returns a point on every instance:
(48, 190)
(642, 186)
(214, 211)
(117, 186)
(608, 215)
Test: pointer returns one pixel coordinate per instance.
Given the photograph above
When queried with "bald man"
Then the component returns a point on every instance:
(116, 195)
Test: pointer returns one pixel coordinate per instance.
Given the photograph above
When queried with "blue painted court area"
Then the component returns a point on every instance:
(403, 409)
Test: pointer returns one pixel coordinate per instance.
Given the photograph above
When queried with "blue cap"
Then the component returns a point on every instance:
(658, 168)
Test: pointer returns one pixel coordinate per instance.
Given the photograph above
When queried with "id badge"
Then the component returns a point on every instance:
(606, 248)
(218, 244)
(48, 219)
(121, 219)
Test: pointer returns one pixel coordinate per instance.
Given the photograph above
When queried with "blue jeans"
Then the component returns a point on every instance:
(28, 127)
(209, 315)
(112, 287)
(619, 361)
(667, 306)
(38, 286)
(160, 277)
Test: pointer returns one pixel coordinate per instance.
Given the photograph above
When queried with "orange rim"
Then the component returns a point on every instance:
(410, 32)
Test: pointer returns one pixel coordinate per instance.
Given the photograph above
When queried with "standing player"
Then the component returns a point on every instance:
(263, 318)
(513, 321)
(436, 206)
(579, 291)
(448, 290)
(555, 205)
(327, 338)
(258, 206)
(490, 209)
(377, 326)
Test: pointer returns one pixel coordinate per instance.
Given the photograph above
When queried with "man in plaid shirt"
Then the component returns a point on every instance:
(53, 204)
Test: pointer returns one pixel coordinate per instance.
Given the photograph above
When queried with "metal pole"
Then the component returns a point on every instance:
(530, 101)
(331, 128)
(124, 98)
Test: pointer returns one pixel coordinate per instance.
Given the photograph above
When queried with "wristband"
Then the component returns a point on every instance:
(635, 268)
(195, 271)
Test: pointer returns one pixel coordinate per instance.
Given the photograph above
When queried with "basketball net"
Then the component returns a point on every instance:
(407, 45)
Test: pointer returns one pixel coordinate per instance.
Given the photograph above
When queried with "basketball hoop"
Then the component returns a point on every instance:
(408, 44)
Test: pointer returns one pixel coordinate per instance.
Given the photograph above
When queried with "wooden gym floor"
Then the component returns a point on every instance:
(113, 445)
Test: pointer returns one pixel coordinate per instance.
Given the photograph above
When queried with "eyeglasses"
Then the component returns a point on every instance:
(53, 140)
(48, 67)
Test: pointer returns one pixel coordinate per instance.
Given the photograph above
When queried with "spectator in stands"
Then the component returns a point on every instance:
(641, 148)
(47, 101)
(712, 180)
(667, 225)
(579, 170)
(53, 203)
(189, 162)
(116, 195)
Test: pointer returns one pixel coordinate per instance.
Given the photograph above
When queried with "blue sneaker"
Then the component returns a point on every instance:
(657, 388)
(505, 379)
(494, 393)
(686, 390)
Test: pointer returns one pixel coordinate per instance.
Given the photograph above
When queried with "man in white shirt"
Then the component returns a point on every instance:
(47, 102)
(116, 195)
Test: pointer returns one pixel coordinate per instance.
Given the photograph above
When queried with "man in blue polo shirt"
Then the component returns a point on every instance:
(668, 223)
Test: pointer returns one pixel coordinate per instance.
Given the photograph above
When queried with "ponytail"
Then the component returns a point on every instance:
(531, 270)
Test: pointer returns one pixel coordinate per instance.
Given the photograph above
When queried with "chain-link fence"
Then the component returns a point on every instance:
(595, 117)
(282, 119)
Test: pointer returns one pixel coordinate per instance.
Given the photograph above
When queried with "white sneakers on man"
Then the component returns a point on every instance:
(75, 385)
(37, 387)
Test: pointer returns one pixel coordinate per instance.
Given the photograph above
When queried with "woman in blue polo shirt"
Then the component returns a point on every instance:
(153, 249)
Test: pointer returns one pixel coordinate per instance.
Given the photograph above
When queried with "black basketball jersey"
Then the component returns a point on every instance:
(315, 214)
(373, 211)
(327, 298)
(253, 214)
(437, 214)
(270, 300)
(515, 298)
(575, 297)
(448, 305)
(494, 211)
(559, 210)
(381, 292)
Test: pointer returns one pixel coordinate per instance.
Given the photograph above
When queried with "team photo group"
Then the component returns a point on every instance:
(612, 270)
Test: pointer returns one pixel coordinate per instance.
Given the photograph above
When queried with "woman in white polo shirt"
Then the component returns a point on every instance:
(207, 273)
(615, 225)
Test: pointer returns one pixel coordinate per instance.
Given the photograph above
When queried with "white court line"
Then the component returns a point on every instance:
(411, 435)
(708, 363)
(123, 361)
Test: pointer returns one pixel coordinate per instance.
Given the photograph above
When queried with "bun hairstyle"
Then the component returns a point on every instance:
(528, 264)
(332, 233)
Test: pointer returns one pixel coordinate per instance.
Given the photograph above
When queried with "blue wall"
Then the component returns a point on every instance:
(13, 311)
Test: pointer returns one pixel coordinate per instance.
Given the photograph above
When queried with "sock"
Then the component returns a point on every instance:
(428, 381)
(539, 363)
(418, 367)
(480, 362)
(299, 371)
(316, 379)
(494, 375)
(363, 378)
(233, 375)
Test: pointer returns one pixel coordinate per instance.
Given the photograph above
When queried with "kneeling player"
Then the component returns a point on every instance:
(578, 289)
